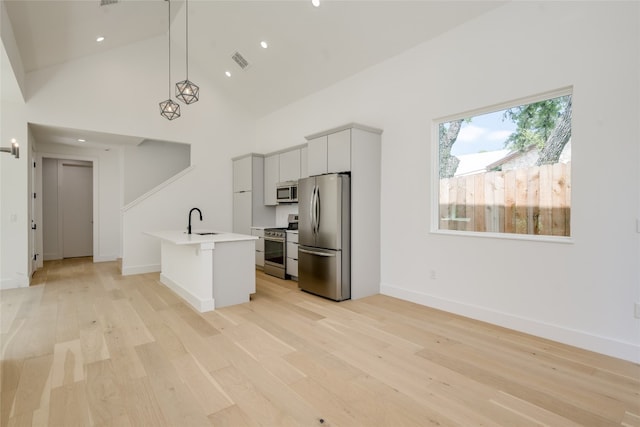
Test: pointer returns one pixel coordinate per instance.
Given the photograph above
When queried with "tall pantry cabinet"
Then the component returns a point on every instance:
(248, 194)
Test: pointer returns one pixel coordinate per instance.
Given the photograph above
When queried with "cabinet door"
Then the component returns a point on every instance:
(292, 237)
(260, 242)
(271, 179)
(242, 174)
(292, 250)
(292, 267)
(260, 259)
(304, 162)
(290, 166)
(339, 151)
(242, 212)
(317, 156)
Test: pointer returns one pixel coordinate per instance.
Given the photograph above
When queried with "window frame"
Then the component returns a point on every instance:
(435, 165)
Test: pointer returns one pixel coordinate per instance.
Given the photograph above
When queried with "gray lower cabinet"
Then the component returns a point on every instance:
(292, 254)
(259, 231)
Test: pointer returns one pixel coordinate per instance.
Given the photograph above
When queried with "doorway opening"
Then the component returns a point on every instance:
(67, 208)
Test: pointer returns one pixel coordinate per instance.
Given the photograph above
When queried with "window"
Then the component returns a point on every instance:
(506, 170)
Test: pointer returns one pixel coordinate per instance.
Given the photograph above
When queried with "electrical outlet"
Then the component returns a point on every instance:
(433, 275)
(636, 310)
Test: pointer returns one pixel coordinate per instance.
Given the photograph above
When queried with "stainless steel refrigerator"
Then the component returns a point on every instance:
(324, 231)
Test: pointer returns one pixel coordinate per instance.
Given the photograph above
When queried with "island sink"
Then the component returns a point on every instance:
(205, 233)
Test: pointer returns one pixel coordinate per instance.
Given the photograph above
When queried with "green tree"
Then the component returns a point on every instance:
(448, 133)
(545, 125)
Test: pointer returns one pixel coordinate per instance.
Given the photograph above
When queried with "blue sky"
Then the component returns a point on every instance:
(486, 132)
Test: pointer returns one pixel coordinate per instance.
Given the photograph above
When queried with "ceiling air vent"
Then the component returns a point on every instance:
(242, 63)
(107, 2)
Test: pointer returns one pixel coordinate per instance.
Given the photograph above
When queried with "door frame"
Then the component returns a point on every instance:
(96, 197)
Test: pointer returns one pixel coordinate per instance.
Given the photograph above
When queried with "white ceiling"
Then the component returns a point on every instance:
(67, 136)
(309, 48)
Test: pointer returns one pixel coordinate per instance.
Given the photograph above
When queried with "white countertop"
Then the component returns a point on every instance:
(180, 237)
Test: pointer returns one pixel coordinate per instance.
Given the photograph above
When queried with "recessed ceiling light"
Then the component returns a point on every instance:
(100, 39)
(227, 73)
(82, 140)
(316, 3)
(264, 44)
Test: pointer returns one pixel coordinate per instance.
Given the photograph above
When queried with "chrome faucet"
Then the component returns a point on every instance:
(193, 209)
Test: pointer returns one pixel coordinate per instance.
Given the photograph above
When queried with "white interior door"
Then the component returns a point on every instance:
(76, 203)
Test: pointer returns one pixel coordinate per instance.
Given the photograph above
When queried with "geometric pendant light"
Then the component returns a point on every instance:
(187, 91)
(169, 109)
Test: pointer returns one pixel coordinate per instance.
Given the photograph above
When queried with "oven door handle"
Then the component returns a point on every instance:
(324, 254)
(274, 239)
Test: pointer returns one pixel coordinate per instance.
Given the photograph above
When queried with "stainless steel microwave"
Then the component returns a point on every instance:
(287, 192)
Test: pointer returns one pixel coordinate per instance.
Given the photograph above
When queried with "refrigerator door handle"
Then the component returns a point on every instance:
(318, 206)
(316, 253)
(311, 205)
(314, 216)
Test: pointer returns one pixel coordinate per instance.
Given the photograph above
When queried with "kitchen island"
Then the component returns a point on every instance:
(208, 269)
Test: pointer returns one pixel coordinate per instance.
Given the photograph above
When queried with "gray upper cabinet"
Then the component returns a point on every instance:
(290, 165)
(329, 153)
(242, 169)
(248, 194)
(271, 178)
(304, 162)
(339, 151)
(317, 156)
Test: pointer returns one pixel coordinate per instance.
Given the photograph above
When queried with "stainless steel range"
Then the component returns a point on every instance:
(275, 248)
(275, 251)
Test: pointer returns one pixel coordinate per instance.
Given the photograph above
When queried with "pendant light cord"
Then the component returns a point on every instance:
(169, 20)
(187, 35)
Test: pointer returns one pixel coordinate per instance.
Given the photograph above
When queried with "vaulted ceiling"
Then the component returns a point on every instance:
(309, 47)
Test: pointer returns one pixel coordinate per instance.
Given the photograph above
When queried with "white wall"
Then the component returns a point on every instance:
(12, 67)
(150, 163)
(215, 127)
(580, 293)
(14, 199)
(14, 182)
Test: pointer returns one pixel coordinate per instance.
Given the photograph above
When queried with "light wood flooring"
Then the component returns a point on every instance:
(88, 347)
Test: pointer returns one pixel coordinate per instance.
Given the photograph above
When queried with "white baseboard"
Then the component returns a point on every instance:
(20, 282)
(51, 256)
(599, 344)
(105, 258)
(96, 258)
(197, 303)
(140, 269)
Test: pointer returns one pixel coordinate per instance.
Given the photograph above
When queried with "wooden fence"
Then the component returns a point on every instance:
(535, 200)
